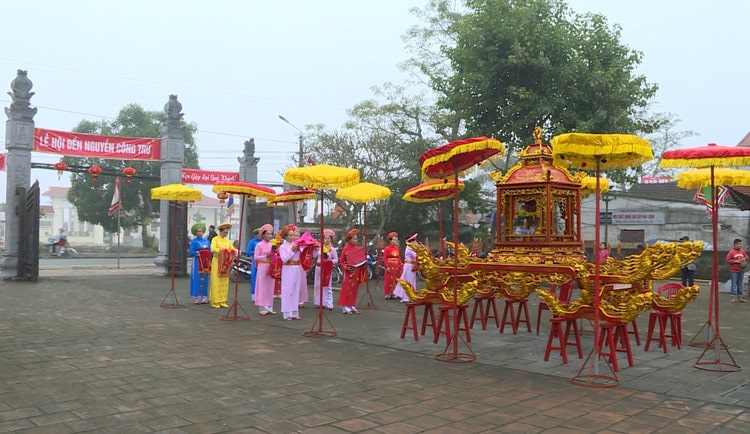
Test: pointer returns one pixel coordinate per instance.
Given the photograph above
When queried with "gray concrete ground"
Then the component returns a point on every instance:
(91, 350)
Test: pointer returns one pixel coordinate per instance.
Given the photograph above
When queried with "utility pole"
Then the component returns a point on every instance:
(302, 211)
(300, 161)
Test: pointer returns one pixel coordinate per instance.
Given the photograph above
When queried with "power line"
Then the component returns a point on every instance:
(171, 85)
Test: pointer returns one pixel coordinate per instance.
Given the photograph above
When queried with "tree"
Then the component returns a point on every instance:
(505, 66)
(383, 141)
(92, 199)
(664, 138)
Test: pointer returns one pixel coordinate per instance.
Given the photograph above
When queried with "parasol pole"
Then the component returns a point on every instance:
(174, 254)
(320, 333)
(232, 313)
(370, 301)
(294, 213)
(593, 378)
(118, 237)
(452, 355)
(715, 341)
(441, 243)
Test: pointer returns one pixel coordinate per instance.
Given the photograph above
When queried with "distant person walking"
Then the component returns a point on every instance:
(688, 271)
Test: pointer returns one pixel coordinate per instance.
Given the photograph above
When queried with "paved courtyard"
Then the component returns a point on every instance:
(91, 350)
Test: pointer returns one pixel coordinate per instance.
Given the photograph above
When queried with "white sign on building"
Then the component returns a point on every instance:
(638, 218)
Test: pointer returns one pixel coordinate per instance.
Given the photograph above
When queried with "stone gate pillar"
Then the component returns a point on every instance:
(172, 159)
(248, 173)
(19, 140)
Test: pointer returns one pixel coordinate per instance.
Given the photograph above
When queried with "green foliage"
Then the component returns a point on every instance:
(92, 199)
(506, 66)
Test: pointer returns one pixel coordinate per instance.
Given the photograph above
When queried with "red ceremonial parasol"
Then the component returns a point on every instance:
(365, 192)
(321, 177)
(244, 189)
(434, 191)
(174, 193)
(292, 197)
(598, 152)
(450, 161)
(710, 157)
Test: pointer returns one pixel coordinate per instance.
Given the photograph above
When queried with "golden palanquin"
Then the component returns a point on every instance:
(539, 244)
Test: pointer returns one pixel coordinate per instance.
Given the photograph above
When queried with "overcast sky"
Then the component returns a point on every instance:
(236, 66)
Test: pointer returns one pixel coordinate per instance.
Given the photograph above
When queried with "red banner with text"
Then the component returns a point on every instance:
(92, 145)
(195, 176)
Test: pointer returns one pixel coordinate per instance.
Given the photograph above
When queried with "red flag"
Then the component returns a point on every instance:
(337, 211)
(116, 200)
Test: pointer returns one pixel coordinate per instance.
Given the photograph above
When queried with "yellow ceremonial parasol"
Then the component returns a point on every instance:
(292, 197)
(450, 161)
(362, 193)
(598, 152)
(321, 177)
(244, 189)
(174, 193)
(588, 185)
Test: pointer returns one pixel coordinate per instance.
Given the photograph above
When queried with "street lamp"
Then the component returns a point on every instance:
(301, 139)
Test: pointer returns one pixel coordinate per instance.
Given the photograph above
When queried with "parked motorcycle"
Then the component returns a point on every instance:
(242, 268)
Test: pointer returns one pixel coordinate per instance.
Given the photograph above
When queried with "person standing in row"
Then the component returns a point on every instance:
(221, 265)
(737, 259)
(410, 270)
(211, 233)
(327, 252)
(250, 252)
(200, 250)
(292, 276)
(394, 267)
(264, 282)
(603, 252)
(353, 261)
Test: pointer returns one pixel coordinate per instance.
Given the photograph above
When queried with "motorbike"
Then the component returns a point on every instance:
(64, 250)
(242, 268)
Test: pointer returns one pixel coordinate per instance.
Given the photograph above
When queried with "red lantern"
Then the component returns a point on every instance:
(95, 171)
(222, 197)
(60, 166)
(129, 172)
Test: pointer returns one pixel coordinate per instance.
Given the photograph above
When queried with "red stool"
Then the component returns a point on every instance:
(410, 320)
(635, 331)
(444, 322)
(484, 311)
(516, 317)
(428, 319)
(614, 337)
(563, 337)
(665, 320)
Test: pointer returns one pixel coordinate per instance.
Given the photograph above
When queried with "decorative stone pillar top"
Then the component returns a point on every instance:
(21, 95)
(248, 154)
(173, 109)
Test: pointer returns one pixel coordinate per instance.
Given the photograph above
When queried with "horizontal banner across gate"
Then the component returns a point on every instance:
(195, 176)
(93, 145)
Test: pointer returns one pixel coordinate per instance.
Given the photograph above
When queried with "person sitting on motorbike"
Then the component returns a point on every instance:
(58, 240)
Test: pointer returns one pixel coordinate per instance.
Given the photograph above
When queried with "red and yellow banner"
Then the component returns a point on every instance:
(209, 177)
(92, 145)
